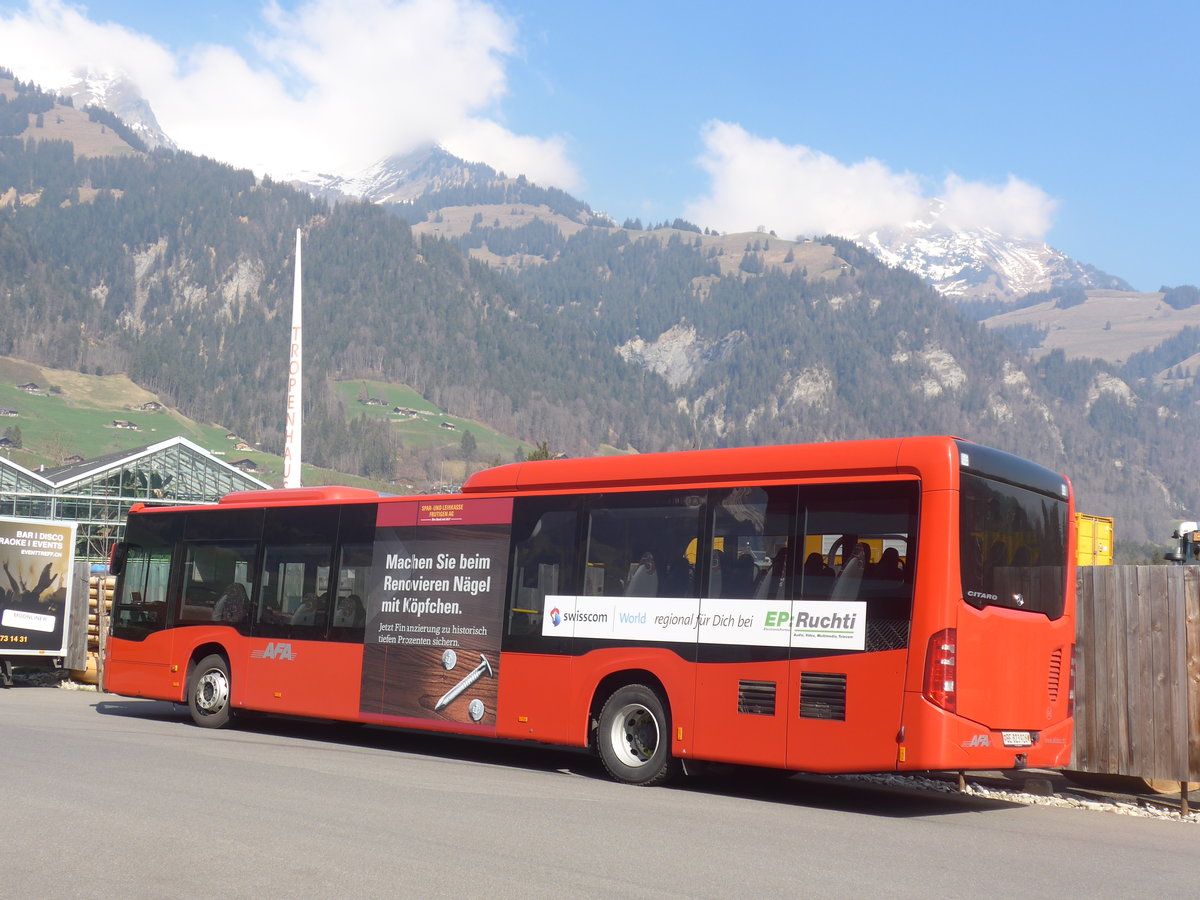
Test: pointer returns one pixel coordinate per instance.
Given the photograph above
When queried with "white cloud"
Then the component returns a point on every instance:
(795, 190)
(1016, 209)
(333, 85)
(52, 40)
(481, 140)
(792, 189)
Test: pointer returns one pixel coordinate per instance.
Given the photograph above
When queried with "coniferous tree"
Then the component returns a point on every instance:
(467, 445)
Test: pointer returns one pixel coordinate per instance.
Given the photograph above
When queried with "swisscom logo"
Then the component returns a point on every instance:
(555, 617)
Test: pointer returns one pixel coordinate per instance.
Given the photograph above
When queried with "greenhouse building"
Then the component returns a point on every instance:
(97, 493)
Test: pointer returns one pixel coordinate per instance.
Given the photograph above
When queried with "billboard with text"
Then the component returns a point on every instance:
(35, 586)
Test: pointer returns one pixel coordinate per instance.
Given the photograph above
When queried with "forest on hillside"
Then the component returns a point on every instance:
(177, 270)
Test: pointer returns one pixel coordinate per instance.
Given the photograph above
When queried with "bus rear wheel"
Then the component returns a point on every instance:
(208, 692)
(634, 737)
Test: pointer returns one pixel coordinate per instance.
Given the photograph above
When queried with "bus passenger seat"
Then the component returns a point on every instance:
(846, 586)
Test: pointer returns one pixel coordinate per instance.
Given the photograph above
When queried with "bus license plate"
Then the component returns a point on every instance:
(1016, 738)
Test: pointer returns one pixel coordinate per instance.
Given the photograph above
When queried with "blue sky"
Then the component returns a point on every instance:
(1076, 123)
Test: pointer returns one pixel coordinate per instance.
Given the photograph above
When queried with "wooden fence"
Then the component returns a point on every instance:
(1137, 679)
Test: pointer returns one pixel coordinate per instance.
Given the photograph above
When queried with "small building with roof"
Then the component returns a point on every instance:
(97, 493)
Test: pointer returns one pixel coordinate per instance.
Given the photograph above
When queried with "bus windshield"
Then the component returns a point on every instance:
(1013, 545)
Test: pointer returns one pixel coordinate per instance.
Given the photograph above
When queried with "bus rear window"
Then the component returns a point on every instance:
(1013, 545)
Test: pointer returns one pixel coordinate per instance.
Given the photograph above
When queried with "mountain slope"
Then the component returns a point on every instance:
(963, 264)
(960, 264)
(120, 96)
(399, 179)
(1108, 325)
(981, 263)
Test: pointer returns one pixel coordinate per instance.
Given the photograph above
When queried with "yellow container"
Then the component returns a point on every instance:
(1093, 540)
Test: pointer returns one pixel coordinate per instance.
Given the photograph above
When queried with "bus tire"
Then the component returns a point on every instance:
(208, 692)
(634, 737)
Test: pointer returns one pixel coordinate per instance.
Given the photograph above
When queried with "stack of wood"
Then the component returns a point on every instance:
(100, 595)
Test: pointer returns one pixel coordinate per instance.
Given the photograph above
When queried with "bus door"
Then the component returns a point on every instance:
(287, 662)
(851, 618)
(742, 671)
(139, 642)
(212, 607)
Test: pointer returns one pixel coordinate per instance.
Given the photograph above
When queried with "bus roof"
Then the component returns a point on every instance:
(301, 496)
(935, 459)
(880, 456)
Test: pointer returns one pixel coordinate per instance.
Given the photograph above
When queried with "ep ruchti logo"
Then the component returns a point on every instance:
(805, 621)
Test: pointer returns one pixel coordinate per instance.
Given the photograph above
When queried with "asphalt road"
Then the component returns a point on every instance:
(104, 796)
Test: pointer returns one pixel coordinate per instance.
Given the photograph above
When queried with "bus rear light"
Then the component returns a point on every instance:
(941, 669)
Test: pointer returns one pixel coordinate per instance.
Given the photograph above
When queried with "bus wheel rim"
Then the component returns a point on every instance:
(212, 691)
(634, 736)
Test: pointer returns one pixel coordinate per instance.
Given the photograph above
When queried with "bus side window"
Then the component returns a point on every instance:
(639, 544)
(752, 543)
(545, 559)
(354, 578)
(295, 599)
(860, 545)
(212, 573)
(355, 549)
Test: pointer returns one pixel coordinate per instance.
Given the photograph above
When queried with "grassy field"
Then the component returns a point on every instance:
(74, 414)
(1110, 325)
(426, 429)
(818, 259)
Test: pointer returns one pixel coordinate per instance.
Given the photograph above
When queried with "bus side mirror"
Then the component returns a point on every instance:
(116, 559)
(1172, 556)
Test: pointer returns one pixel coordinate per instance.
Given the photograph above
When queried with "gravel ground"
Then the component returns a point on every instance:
(1044, 788)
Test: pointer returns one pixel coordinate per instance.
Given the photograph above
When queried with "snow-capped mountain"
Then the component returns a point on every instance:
(400, 178)
(961, 264)
(981, 263)
(120, 96)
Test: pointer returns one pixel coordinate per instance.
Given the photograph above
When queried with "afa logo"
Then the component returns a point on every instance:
(274, 650)
(555, 617)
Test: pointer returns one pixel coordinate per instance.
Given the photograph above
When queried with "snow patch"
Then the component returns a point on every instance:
(976, 263)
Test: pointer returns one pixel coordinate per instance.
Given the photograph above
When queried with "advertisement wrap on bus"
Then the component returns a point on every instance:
(830, 624)
(885, 605)
(436, 604)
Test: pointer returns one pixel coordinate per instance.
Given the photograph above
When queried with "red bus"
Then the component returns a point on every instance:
(867, 606)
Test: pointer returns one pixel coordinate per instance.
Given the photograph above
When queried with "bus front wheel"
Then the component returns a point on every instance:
(208, 692)
(634, 737)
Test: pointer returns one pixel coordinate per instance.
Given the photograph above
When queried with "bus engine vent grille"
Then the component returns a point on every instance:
(822, 696)
(1055, 674)
(756, 698)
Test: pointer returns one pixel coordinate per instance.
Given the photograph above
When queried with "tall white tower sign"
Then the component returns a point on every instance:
(291, 447)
